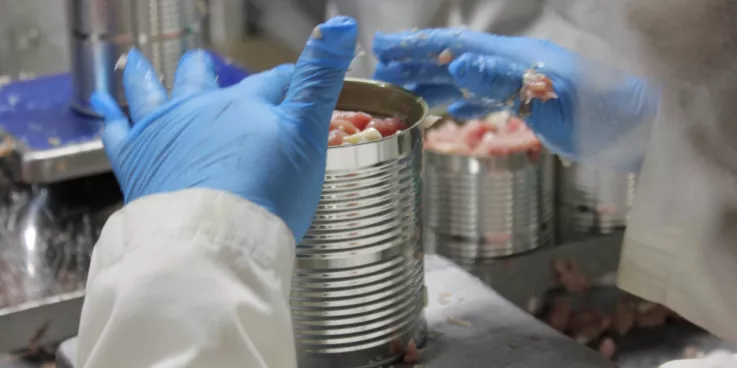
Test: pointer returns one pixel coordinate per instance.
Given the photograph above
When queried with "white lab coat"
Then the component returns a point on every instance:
(196, 278)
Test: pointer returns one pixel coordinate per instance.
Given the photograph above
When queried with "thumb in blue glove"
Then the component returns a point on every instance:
(586, 118)
(264, 139)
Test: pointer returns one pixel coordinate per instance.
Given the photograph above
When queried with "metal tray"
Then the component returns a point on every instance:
(54, 143)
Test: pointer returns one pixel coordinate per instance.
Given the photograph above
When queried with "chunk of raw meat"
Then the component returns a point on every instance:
(387, 126)
(607, 348)
(336, 138)
(445, 57)
(587, 325)
(344, 126)
(570, 276)
(411, 354)
(537, 86)
(624, 318)
(651, 315)
(560, 314)
(359, 119)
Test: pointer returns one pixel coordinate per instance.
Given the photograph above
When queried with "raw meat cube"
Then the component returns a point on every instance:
(336, 137)
(344, 126)
(537, 86)
(388, 126)
(359, 119)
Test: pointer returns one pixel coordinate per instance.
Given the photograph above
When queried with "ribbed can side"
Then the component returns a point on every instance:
(593, 200)
(359, 276)
(479, 209)
(358, 293)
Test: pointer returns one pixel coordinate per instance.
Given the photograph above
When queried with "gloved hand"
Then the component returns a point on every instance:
(264, 139)
(489, 70)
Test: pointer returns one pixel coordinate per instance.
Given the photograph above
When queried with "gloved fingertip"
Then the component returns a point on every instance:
(197, 58)
(135, 61)
(116, 125)
(318, 76)
(104, 104)
(195, 73)
(337, 36)
(135, 54)
(143, 89)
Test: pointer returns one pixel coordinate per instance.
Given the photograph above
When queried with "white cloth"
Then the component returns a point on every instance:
(680, 245)
(196, 278)
(717, 359)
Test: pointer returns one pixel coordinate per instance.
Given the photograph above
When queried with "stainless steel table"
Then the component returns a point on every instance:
(473, 326)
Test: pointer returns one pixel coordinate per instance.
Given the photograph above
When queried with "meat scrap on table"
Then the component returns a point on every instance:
(591, 326)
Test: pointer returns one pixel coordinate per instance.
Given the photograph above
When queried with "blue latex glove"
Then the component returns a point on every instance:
(264, 139)
(489, 70)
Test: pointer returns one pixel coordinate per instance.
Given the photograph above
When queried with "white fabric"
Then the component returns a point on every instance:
(672, 253)
(680, 246)
(196, 278)
(717, 359)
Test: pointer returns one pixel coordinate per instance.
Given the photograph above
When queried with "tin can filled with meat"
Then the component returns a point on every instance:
(358, 293)
(593, 201)
(103, 31)
(489, 190)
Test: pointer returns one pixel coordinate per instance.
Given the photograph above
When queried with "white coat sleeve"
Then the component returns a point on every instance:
(195, 278)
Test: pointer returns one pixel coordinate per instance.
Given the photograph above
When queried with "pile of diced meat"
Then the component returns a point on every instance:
(497, 135)
(350, 127)
(591, 326)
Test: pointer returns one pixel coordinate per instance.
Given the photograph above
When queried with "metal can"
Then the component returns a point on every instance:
(482, 208)
(103, 30)
(358, 291)
(593, 201)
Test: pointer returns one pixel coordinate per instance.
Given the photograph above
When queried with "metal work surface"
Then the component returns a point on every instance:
(472, 326)
(592, 200)
(54, 143)
(525, 279)
(46, 239)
